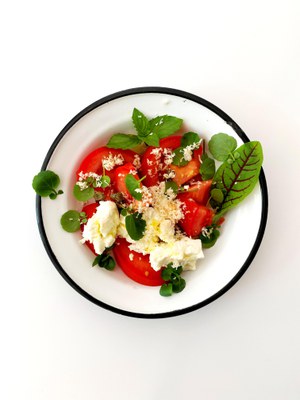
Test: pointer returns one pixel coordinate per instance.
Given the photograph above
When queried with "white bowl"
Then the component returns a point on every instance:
(223, 264)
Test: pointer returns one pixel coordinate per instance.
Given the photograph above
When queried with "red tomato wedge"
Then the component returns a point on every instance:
(139, 268)
(150, 167)
(198, 191)
(90, 210)
(120, 176)
(184, 174)
(170, 142)
(93, 161)
(195, 218)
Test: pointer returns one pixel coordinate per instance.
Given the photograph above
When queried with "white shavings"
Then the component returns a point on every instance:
(82, 181)
(168, 156)
(132, 172)
(169, 174)
(206, 232)
(137, 161)
(149, 162)
(188, 150)
(111, 161)
(157, 151)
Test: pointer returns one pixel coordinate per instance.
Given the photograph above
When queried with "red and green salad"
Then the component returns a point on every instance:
(154, 200)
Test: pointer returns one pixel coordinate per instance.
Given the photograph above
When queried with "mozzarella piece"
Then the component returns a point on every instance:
(101, 228)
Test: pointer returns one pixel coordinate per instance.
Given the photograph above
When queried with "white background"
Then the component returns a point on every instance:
(57, 58)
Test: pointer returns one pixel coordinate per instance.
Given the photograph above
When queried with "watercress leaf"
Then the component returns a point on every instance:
(207, 168)
(83, 195)
(217, 195)
(105, 181)
(178, 158)
(140, 122)
(221, 145)
(124, 212)
(45, 183)
(104, 260)
(166, 273)
(166, 289)
(208, 242)
(70, 221)
(189, 138)
(52, 196)
(178, 285)
(165, 125)
(171, 185)
(237, 180)
(152, 139)
(135, 226)
(123, 141)
(133, 186)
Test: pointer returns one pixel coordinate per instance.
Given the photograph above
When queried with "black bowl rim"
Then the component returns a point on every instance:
(229, 121)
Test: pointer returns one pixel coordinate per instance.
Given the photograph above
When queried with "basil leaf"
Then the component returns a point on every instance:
(133, 185)
(238, 179)
(178, 158)
(221, 146)
(83, 195)
(207, 168)
(165, 125)
(70, 221)
(152, 139)
(189, 138)
(45, 183)
(135, 226)
(123, 141)
(140, 122)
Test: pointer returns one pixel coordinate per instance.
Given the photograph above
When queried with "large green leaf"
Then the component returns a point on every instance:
(237, 180)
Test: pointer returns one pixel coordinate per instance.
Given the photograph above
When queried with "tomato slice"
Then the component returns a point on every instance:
(120, 175)
(93, 161)
(198, 191)
(170, 142)
(136, 265)
(150, 167)
(196, 217)
(190, 170)
(90, 210)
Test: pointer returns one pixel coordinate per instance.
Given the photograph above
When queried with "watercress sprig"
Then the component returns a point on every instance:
(45, 184)
(105, 261)
(148, 131)
(72, 219)
(174, 282)
(133, 186)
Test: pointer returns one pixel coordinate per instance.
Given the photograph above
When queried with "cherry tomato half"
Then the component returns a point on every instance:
(195, 218)
(135, 265)
(198, 191)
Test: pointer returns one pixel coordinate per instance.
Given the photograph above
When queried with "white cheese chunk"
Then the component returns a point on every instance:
(101, 228)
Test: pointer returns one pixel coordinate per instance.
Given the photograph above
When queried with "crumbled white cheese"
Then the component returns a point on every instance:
(184, 252)
(101, 228)
(111, 161)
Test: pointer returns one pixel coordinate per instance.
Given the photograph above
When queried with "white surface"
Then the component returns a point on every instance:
(57, 58)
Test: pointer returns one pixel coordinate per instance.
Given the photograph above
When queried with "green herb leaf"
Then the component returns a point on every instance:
(104, 260)
(70, 221)
(221, 146)
(83, 195)
(135, 225)
(189, 138)
(164, 125)
(123, 141)
(152, 139)
(209, 241)
(166, 289)
(105, 181)
(134, 187)
(217, 195)
(140, 122)
(178, 284)
(124, 212)
(178, 158)
(207, 168)
(171, 185)
(45, 183)
(238, 179)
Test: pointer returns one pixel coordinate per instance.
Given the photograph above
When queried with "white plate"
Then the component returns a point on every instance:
(223, 264)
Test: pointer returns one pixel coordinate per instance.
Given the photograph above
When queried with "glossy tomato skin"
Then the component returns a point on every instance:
(93, 161)
(190, 170)
(196, 217)
(198, 191)
(137, 269)
(120, 176)
(170, 142)
(90, 210)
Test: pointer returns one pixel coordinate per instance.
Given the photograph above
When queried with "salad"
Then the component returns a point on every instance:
(154, 200)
